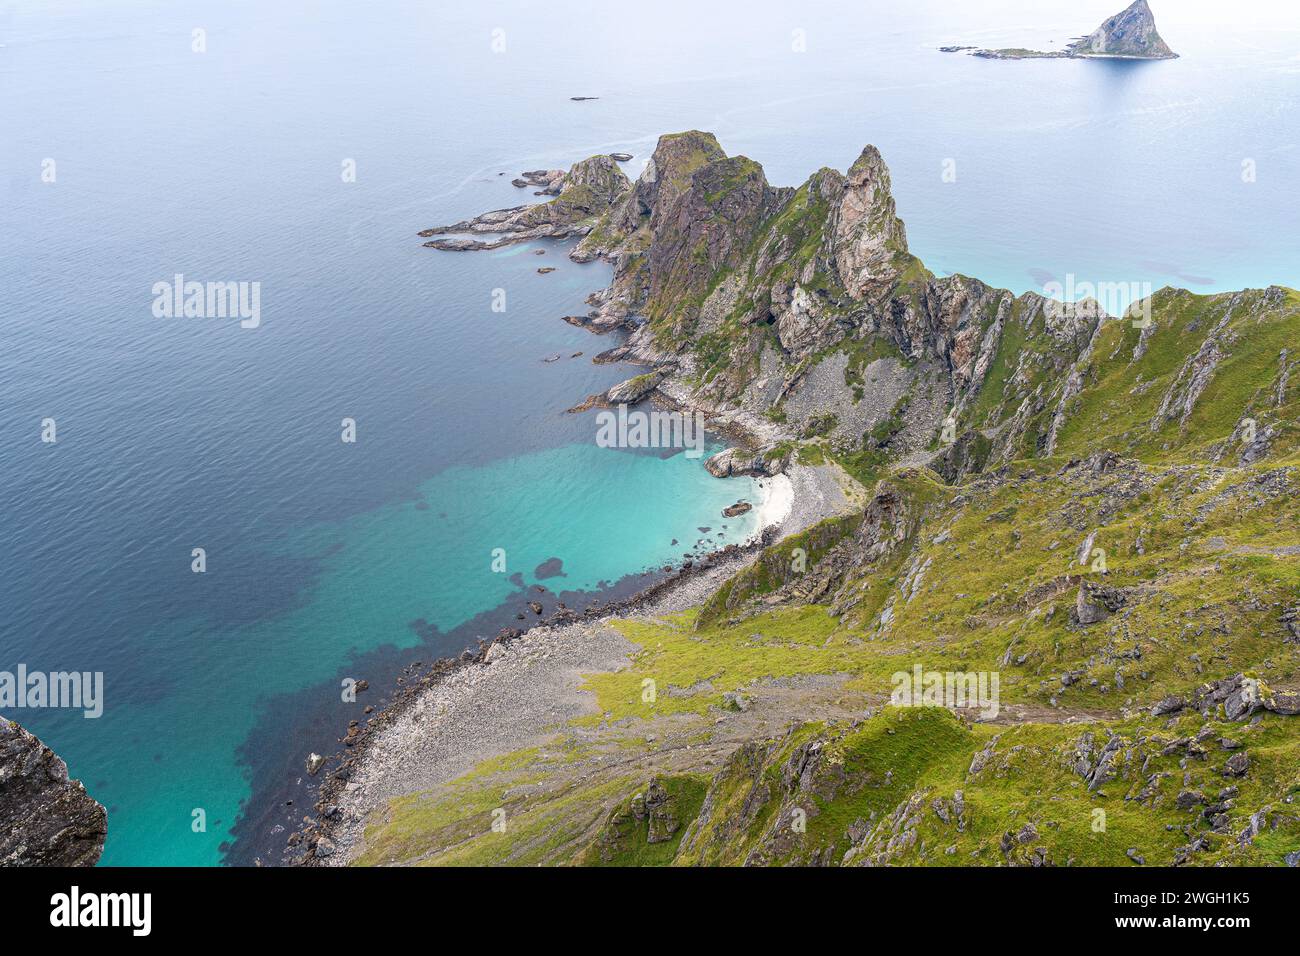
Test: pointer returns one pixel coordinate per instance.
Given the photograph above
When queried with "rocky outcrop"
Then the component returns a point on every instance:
(549, 181)
(636, 388)
(1096, 602)
(735, 461)
(588, 190)
(868, 242)
(46, 818)
(650, 817)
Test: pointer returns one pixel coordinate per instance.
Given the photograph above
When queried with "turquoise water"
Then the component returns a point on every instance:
(328, 560)
(374, 574)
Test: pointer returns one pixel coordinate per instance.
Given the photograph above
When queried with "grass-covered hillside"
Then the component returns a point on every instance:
(768, 705)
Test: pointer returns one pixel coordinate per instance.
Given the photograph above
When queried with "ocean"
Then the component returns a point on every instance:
(302, 147)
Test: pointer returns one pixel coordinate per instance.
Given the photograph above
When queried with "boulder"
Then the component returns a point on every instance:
(1237, 765)
(1096, 602)
(1291, 621)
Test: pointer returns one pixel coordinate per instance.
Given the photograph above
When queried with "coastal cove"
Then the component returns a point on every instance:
(596, 535)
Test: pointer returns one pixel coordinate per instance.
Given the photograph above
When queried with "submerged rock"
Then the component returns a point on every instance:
(550, 568)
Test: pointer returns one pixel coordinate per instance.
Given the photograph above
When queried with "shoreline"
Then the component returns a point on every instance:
(522, 685)
(428, 732)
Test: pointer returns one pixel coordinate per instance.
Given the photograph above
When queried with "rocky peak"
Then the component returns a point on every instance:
(711, 217)
(600, 177)
(868, 240)
(668, 174)
(1131, 32)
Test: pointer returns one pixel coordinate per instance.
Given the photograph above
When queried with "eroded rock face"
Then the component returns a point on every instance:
(756, 285)
(1131, 32)
(46, 818)
(869, 241)
(1194, 377)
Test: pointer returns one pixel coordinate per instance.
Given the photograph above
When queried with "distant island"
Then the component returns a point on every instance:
(1128, 35)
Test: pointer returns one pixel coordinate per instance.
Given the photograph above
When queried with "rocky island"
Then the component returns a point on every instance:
(1130, 34)
(1091, 517)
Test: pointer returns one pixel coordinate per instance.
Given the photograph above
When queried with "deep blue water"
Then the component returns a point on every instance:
(326, 559)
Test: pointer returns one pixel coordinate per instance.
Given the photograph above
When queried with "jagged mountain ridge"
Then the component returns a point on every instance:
(799, 314)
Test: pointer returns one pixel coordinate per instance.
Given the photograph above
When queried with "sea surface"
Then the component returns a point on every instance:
(133, 148)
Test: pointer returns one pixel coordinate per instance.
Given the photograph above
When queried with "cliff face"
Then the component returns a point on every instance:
(1132, 32)
(46, 819)
(776, 309)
